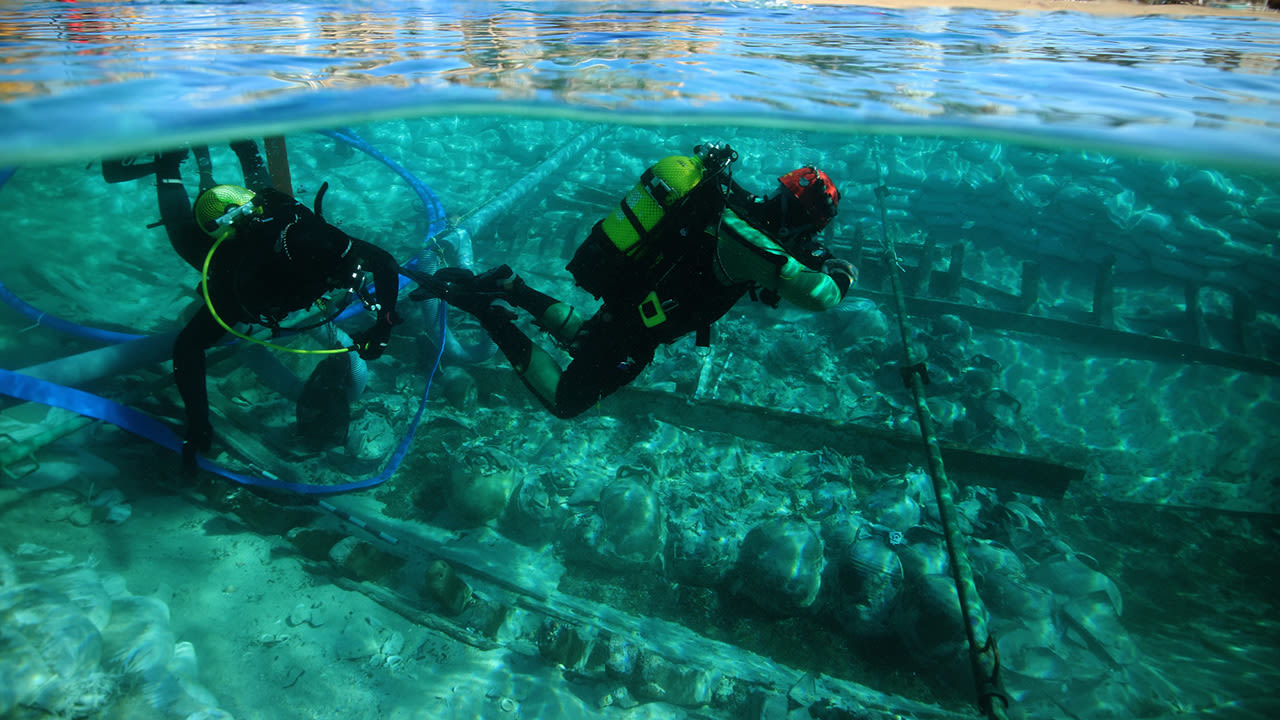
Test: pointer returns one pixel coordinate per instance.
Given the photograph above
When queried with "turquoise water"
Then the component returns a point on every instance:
(652, 557)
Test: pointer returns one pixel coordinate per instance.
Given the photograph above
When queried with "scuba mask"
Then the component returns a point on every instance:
(803, 204)
(220, 208)
(808, 199)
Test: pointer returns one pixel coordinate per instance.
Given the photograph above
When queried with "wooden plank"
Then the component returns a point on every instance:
(1104, 294)
(800, 431)
(1127, 344)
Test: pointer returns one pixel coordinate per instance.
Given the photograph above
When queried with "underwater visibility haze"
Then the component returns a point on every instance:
(1078, 213)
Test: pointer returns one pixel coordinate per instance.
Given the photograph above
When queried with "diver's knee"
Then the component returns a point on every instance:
(562, 321)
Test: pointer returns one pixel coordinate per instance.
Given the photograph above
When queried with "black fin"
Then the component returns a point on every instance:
(318, 205)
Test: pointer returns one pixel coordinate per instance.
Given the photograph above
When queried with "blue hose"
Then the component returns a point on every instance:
(43, 319)
(33, 389)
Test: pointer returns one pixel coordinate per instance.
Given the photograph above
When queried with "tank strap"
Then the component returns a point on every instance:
(657, 187)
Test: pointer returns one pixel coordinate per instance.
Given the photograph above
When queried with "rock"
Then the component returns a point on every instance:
(660, 679)
(481, 483)
(363, 560)
(445, 587)
(565, 645)
(300, 614)
(117, 514)
(369, 441)
(868, 579)
(929, 621)
(780, 566)
(634, 530)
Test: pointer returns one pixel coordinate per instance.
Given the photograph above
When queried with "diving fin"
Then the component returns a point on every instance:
(117, 170)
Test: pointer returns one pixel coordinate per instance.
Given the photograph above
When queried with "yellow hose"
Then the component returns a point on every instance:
(208, 302)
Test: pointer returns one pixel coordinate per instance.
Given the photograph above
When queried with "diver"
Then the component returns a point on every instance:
(682, 248)
(262, 255)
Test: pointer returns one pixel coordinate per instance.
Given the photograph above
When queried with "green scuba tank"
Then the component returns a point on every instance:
(620, 259)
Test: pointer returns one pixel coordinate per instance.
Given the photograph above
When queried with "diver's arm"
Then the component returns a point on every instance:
(371, 343)
(747, 255)
(386, 278)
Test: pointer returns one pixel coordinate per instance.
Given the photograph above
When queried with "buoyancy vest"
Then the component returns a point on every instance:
(653, 253)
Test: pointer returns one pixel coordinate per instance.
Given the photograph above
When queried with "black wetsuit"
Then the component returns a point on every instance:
(281, 261)
(728, 254)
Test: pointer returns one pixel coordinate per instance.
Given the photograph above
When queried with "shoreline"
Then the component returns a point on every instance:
(1110, 8)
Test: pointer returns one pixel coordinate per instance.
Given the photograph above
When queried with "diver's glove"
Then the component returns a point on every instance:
(843, 272)
(473, 293)
(199, 440)
(371, 343)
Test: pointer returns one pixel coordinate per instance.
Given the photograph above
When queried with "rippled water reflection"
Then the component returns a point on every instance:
(144, 70)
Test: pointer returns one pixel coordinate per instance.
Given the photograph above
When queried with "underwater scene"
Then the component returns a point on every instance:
(1020, 462)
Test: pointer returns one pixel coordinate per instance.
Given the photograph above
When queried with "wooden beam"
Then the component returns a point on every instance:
(278, 163)
(1030, 291)
(1137, 345)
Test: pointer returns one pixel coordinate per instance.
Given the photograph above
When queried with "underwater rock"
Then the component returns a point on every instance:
(369, 441)
(702, 550)
(480, 484)
(535, 514)
(867, 579)
(894, 507)
(780, 566)
(363, 560)
(629, 527)
(445, 587)
(323, 409)
(660, 679)
(928, 619)
(860, 327)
